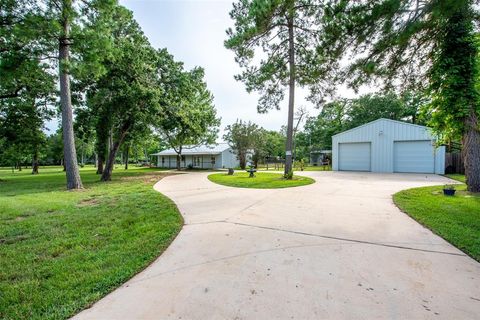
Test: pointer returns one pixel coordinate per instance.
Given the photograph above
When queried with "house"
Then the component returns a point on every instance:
(386, 145)
(215, 156)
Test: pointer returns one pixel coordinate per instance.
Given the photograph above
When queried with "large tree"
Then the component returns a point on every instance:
(343, 114)
(287, 31)
(27, 85)
(125, 98)
(243, 137)
(188, 117)
(421, 44)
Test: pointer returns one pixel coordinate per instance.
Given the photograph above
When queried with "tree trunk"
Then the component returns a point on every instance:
(179, 159)
(107, 172)
(126, 159)
(35, 162)
(83, 154)
(100, 165)
(242, 158)
(69, 153)
(471, 153)
(291, 96)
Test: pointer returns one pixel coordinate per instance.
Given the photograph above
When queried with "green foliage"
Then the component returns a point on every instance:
(188, 116)
(454, 77)
(62, 251)
(427, 45)
(264, 24)
(244, 137)
(343, 114)
(262, 180)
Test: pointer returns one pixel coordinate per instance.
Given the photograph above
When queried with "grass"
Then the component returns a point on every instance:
(454, 218)
(262, 180)
(456, 176)
(61, 251)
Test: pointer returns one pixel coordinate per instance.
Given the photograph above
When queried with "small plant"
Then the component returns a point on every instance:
(449, 190)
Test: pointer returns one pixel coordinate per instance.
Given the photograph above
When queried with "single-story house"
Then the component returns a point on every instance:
(320, 157)
(387, 145)
(214, 156)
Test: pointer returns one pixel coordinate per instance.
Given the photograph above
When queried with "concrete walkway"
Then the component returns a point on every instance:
(336, 249)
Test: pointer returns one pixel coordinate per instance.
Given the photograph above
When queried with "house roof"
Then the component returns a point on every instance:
(196, 150)
(379, 120)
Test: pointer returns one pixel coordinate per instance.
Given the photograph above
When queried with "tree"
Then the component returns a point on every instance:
(27, 85)
(124, 99)
(408, 43)
(371, 107)
(343, 114)
(188, 116)
(242, 138)
(287, 31)
(69, 151)
(331, 120)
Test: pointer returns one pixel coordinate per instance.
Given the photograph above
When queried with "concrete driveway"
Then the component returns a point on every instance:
(336, 249)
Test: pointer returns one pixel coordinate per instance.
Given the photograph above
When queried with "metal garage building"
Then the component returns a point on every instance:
(386, 145)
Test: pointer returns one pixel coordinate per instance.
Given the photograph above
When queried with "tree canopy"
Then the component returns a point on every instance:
(426, 45)
(287, 32)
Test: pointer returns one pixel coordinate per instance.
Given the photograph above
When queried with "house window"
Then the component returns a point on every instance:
(196, 161)
(163, 160)
(213, 160)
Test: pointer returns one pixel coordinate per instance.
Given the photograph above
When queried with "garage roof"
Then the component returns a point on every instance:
(380, 120)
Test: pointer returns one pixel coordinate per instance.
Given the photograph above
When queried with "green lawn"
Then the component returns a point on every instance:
(61, 251)
(262, 180)
(456, 176)
(456, 219)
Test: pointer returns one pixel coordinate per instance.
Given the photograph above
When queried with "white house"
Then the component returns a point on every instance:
(215, 156)
(386, 145)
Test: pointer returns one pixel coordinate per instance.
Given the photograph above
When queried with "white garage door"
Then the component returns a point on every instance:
(413, 156)
(354, 156)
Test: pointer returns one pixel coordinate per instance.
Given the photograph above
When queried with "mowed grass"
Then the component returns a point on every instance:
(454, 218)
(60, 251)
(262, 180)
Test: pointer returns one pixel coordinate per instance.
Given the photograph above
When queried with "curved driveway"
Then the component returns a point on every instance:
(336, 249)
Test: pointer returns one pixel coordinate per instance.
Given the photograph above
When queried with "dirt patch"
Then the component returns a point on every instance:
(14, 239)
(88, 202)
(149, 178)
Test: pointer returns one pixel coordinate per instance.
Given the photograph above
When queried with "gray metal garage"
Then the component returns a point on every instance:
(386, 145)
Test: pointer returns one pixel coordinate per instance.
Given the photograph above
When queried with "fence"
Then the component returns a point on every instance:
(454, 163)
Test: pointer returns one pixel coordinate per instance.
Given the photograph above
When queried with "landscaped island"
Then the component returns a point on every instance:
(262, 180)
(60, 251)
(454, 218)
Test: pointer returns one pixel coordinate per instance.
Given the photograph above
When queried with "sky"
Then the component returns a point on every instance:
(194, 32)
